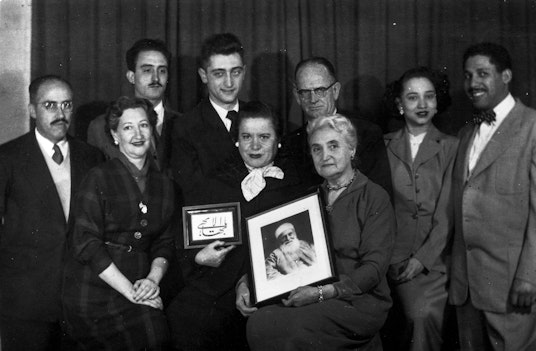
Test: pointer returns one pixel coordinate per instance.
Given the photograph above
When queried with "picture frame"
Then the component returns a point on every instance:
(204, 224)
(271, 243)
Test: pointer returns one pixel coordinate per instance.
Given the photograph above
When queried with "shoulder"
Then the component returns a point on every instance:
(16, 144)
(374, 195)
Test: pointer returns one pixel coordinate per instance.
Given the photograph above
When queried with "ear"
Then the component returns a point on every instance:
(506, 76)
(114, 135)
(130, 77)
(31, 108)
(202, 74)
(295, 93)
(336, 90)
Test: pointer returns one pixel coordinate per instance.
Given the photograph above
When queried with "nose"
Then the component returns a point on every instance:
(155, 77)
(255, 144)
(228, 82)
(313, 97)
(421, 103)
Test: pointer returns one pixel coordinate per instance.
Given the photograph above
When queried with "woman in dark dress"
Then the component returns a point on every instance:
(348, 313)
(203, 315)
(121, 242)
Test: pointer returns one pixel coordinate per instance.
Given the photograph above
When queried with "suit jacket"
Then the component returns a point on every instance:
(421, 194)
(495, 214)
(98, 136)
(200, 142)
(34, 230)
(371, 154)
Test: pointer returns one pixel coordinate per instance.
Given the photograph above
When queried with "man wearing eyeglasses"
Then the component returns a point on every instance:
(39, 173)
(317, 90)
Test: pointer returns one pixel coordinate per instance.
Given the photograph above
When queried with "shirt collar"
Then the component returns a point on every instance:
(48, 146)
(159, 109)
(503, 108)
(221, 111)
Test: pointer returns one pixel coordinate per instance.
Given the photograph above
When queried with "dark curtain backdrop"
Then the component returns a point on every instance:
(371, 42)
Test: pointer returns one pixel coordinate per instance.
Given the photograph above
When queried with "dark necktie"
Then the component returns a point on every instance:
(483, 116)
(232, 115)
(58, 156)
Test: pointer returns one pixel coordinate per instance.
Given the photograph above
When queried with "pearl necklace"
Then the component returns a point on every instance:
(344, 185)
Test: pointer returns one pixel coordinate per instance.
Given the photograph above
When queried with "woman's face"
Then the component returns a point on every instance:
(418, 99)
(257, 141)
(133, 133)
(331, 153)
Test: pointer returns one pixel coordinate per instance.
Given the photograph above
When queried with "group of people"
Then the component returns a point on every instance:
(91, 249)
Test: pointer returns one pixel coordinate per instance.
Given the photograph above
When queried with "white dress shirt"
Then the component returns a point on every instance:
(159, 109)
(223, 113)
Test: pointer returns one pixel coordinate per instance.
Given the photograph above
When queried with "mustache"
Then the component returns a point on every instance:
(59, 120)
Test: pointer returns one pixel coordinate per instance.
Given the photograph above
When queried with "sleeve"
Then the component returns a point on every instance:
(271, 266)
(442, 221)
(376, 217)
(88, 234)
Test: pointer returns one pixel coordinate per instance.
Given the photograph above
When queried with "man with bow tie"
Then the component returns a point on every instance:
(493, 272)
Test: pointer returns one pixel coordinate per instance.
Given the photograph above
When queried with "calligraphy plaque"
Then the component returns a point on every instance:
(206, 223)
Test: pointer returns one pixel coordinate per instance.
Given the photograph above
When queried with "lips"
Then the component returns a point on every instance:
(255, 156)
(422, 113)
(138, 143)
(476, 93)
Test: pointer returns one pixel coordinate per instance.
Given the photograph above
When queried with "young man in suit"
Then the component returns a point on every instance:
(493, 269)
(201, 138)
(317, 90)
(148, 62)
(39, 174)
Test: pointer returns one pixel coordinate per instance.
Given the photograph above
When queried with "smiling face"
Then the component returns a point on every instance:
(52, 123)
(418, 100)
(484, 85)
(133, 134)
(150, 77)
(224, 76)
(257, 141)
(331, 154)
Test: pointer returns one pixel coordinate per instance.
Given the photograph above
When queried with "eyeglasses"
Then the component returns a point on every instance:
(320, 92)
(53, 106)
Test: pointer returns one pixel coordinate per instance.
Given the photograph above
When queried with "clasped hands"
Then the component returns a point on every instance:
(146, 292)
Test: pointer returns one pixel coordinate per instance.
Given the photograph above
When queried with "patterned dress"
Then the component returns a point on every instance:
(116, 222)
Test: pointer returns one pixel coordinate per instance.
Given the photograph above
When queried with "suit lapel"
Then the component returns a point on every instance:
(500, 141)
(466, 137)
(213, 120)
(399, 146)
(430, 146)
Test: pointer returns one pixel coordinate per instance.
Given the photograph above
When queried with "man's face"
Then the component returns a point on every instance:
(150, 77)
(287, 236)
(52, 110)
(314, 105)
(484, 85)
(224, 76)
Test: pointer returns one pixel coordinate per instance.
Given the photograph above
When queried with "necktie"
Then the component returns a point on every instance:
(232, 115)
(57, 156)
(483, 116)
(254, 182)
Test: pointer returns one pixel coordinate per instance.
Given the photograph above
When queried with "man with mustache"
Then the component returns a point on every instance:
(493, 269)
(291, 255)
(202, 138)
(39, 173)
(148, 62)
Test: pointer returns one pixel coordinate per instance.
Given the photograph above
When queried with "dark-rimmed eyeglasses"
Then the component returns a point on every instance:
(53, 106)
(320, 91)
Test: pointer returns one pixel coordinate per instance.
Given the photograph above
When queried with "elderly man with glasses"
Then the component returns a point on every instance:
(316, 90)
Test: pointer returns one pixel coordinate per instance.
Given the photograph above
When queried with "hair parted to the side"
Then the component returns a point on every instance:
(116, 109)
(220, 44)
(39, 81)
(143, 45)
(316, 60)
(256, 109)
(438, 79)
(497, 54)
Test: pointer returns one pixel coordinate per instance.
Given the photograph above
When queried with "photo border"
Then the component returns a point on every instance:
(189, 211)
(264, 291)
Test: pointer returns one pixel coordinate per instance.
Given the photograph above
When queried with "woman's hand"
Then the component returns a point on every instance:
(413, 269)
(145, 289)
(154, 303)
(301, 296)
(243, 300)
(213, 254)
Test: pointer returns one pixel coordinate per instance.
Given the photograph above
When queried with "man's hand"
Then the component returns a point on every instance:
(213, 254)
(301, 296)
(523, 293)
(413, 269)
(243, 300)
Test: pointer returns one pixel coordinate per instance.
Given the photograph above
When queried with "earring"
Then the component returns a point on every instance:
(352, 157)
(116, 142)
(236, 144)
(279, 146)
(401, 111)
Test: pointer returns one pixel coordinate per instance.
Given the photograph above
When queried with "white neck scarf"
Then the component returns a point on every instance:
(254, 182)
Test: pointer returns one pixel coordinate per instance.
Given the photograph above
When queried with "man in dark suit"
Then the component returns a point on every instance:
(493, 269)
(316, 90)
(201, 138)
(39, 173)
(148, 63)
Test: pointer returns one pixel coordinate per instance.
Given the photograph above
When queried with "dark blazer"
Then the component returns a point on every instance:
(495, 214)
(98, 136)
(200, 142)
(34, 230)
(371, 154)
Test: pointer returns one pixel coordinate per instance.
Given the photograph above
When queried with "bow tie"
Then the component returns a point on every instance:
(483, 116)
(254, 182)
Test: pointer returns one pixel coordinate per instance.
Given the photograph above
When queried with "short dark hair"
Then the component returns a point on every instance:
(316, 60)
(256, 109)
(143, 45)
(39, 81)
(116, 109)
(220, 44)
(496, 53)
(438, 79)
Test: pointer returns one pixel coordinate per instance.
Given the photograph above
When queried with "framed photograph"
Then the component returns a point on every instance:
(206, 223)
(289, 248)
